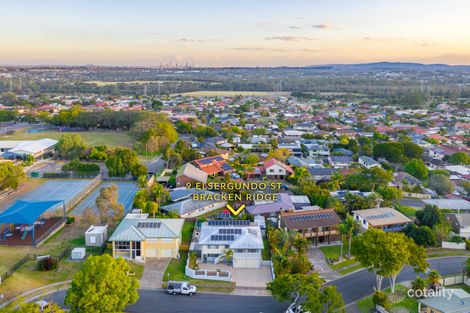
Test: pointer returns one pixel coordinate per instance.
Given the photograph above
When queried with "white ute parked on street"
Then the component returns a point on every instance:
(180, 287)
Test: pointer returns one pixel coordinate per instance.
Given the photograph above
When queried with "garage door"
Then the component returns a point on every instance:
(151, 253)
(166, 253)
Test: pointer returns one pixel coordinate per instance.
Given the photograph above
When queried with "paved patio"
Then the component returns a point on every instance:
(153, 273)
(244, 277)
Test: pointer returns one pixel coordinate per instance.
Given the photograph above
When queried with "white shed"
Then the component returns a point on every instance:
(96, 236)
(78, 254)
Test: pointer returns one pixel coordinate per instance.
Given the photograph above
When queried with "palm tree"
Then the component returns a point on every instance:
(418, 284)
(434, 278)
(342, 231)
(349, 225)
(228, 254)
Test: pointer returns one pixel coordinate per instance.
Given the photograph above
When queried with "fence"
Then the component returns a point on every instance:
(58, 225)
(453, 280)
(416, 195)
(453, 245)
(77, 198)
(32, 257)
(207, 274)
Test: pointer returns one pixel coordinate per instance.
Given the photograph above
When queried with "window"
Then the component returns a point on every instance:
(252, 251)
(92, 239)
(212, 246)
(122, 245)
(271, 170)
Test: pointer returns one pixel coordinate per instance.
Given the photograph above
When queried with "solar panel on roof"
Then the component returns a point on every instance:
(148, 225)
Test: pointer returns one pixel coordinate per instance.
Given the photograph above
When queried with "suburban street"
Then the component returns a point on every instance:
(353, 287)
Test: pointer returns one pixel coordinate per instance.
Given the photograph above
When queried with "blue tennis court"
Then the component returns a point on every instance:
(64, 190)
(126, 190)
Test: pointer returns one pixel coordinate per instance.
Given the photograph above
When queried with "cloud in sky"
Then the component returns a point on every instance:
(324, 26)
(288, 38)
(259, 49)
(295, 27)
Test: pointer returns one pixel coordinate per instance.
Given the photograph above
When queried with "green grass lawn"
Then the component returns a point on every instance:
(408, 303)
(460, 286)
(440, 252)
(408, 211)
(344, 267)
(187, 232)
(92, 138)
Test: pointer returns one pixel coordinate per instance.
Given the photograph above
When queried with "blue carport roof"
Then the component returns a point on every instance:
(25, 212)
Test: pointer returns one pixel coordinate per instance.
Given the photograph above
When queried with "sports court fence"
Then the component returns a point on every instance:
(79, 196)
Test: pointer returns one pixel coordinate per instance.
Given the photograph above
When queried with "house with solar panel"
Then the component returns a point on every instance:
(387, 219)
(214, 165)
(243, 237)
(320, 226)
(138, 238)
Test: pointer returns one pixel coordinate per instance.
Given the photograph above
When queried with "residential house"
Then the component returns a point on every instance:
(368, 162)
(300, 201)
(242, 237)
(321, 173)
(387, 219)
(405, 180)
(460, 223)
(190, 206)
(321, 226)
(141, 238)
(340, 161)
(189, 173)
(275, 169)
(214, 165)
(456, 302)
(293, 148)
(272, 208)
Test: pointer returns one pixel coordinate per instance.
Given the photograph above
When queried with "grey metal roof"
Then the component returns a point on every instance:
(129, 230)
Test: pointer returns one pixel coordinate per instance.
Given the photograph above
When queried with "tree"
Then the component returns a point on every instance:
(122, 161)
(391, 151)
(355, 202)
(387, 253)
(422, 235)
(102, 285)
(108, 206)
(10, 175)
(459, 158)
(389, 194)
(317, 195)
(280, 154)
(418, 284)
(412, 150)
(318, 299)
(441, 184)
(90, 216)
(417, 168)
(252, 159)
(349, 225)
(430, 215)
(70, 146)
(228, 254)
(434, 278)
(368, 179)
(19, 306)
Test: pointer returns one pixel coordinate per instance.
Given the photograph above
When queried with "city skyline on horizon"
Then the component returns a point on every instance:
(242, 34)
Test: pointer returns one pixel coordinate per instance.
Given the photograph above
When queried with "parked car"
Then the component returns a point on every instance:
(181, 287)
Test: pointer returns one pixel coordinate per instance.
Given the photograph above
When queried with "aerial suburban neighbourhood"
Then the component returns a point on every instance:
(156, 157)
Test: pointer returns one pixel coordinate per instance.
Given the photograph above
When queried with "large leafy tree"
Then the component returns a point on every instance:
(391, 151)
(412, 150)
(103, 285)
(70, 146)
(318, 299)
(122, 161)
(441, 184)
(389, 194)
(387, 253)
(430, 215)
(10, 175)
(368, 179)
(417, 168)
(459, 158)
(108, 206)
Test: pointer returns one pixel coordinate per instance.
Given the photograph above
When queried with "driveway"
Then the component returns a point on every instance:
(153, 273)
(244, 277)
(318, 260)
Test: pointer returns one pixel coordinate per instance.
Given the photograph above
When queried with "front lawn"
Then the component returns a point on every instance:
(344, 267)
(408, 303)
(187, 232)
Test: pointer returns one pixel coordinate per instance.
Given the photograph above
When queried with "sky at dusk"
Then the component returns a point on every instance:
(233, 33)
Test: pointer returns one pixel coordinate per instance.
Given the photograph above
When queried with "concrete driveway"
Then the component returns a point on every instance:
(318, 260)
(153, 273)
(244, 277)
